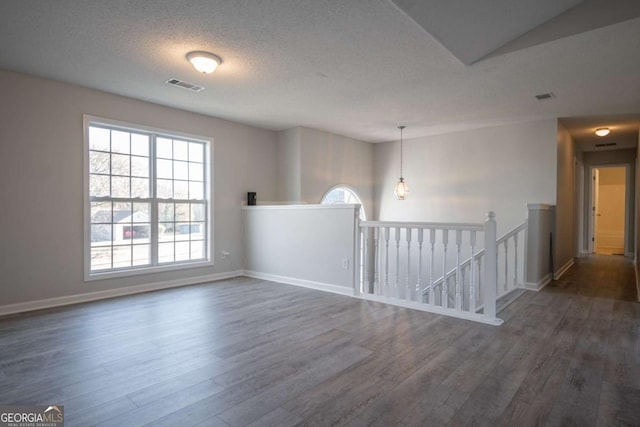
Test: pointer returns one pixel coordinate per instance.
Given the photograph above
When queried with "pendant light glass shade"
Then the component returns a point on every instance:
(402, 189)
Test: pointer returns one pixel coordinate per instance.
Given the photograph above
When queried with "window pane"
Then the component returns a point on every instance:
(120, 165)
(180, 190)
(196, 172)
(183, 212)
(165, 212)
(180, 150)
(182, 251)
(165, 252)
(99, 185)
(98, 162)
(122, 256)
(164, 169)
(197, 249)
(181, 170)
(165, 189)
(101, 212)
(197, 212)
(120, 142)
(141, 212)
(120, 186)
(196, 152)
(140, 166)
(140, 187)
(164, 148)
(183, 231)
(196, 190)
(99, 139)
(100, 258)
(141, 255)
(139, 144)
(100, 233)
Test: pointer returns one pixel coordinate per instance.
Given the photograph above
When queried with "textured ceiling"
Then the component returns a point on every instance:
(357, 67)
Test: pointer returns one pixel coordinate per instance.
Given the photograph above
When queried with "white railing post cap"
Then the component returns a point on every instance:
(491, 215)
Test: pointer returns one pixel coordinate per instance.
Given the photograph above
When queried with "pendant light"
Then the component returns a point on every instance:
(401, 189)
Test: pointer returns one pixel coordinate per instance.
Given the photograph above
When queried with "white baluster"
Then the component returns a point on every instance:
(432, 291)
(472, 275)
(364, 237)
(445, 284)
(419, 296)
(387, 231)
(506, 265)
(515, 260)
(397, 282)
(407, 288)
(458, 300)
(376, 256)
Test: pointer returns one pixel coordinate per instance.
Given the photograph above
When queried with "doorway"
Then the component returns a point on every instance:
(609, 210)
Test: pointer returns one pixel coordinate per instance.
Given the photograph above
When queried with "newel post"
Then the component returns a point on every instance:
(490, 270)
(358, 241)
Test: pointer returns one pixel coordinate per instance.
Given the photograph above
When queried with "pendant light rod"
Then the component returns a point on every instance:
(401, 129)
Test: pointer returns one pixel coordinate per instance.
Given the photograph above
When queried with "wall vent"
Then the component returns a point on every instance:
(606, 144)
(544, 96)
(184, 85)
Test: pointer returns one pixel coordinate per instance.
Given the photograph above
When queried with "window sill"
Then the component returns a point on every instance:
(90, 277)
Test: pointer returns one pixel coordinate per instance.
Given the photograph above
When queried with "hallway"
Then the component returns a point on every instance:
(601, 276)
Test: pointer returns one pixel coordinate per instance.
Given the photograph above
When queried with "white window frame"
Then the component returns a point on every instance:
(208, 197)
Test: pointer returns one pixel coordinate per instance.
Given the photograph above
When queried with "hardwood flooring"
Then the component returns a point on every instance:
(247, 352)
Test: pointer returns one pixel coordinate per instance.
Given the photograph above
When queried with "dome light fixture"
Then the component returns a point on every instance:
(401, 190)
(204, 62)
(602, 131)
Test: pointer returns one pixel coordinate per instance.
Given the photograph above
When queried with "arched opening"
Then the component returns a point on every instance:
(343, 195)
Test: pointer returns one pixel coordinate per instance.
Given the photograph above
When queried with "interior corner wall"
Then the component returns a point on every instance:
(458, 177)
(627, 158)
(328, 159)
(288, 164)
(41, 182)
(564, 238)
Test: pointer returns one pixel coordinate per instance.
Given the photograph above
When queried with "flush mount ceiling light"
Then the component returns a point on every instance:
(401, 190)
(602, 131)
(204, 62)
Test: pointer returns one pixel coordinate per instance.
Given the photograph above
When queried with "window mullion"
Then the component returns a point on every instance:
(154, 200)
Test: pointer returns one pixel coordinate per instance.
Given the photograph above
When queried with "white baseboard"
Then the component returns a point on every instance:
(558, 274)
(342, 290)
(112, 293)
(583, 254)
(532, 286)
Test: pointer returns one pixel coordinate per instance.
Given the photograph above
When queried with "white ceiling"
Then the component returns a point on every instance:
(352, 67)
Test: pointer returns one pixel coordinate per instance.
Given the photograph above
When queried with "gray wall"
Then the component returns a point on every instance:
(564, 243)
(321, 160)
(41, 183)
(458, 177)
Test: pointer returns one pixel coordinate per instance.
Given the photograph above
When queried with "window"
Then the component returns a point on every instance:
(147, 203)
(343, 195)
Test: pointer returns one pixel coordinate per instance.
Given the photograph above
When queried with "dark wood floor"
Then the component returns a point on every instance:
(246, 352)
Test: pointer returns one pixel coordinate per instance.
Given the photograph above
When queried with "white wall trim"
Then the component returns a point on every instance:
(558, 274)
(531, 286)
(342, 290)
(583, 254)
(112, 293)
(298, 207)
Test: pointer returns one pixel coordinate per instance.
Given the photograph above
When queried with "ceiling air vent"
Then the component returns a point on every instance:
(543, 96)
(608, 144)
(184, 85)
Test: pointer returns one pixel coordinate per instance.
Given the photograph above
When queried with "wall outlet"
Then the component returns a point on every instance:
(225, 254)
(345, 263)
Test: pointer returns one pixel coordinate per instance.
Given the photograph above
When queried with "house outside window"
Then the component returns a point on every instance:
(147, 203)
